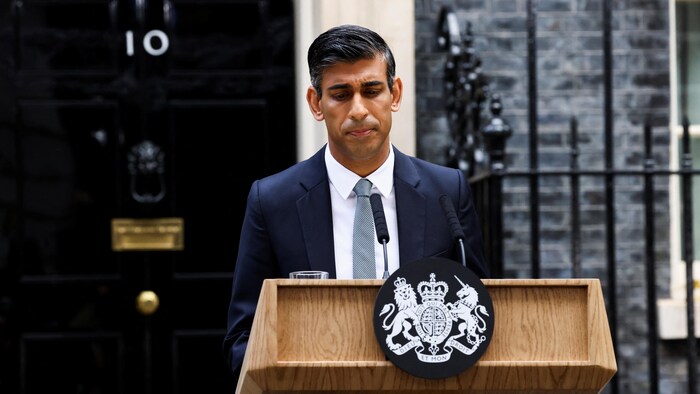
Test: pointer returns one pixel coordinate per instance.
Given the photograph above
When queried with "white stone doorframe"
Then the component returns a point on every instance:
(393, 20)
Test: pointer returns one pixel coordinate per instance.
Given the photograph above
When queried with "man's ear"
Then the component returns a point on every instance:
(396, 94)
(314, 103)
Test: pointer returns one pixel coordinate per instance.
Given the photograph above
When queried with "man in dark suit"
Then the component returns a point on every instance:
(302, 218)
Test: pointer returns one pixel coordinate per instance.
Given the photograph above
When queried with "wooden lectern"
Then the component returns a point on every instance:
(550, 336)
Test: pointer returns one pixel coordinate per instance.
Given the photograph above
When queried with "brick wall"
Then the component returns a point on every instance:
(570, 82)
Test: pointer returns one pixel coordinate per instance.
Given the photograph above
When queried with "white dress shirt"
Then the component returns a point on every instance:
(343, 201)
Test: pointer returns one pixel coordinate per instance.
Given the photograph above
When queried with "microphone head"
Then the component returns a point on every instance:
(375, 200)
(451, 216)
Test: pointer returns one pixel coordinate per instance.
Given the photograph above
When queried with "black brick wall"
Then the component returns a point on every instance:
(571, 83)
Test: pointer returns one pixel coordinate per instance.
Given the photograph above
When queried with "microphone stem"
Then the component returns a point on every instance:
(386, 262)
(461, 248)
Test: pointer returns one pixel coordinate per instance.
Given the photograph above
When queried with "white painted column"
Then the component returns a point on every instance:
(394, 21)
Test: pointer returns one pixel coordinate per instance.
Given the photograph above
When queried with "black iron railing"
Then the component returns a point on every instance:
(479, 148)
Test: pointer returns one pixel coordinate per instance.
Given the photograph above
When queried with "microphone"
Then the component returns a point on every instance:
(455, 225)
(375, 200)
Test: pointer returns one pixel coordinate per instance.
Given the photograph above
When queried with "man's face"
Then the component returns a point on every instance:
(356, 104)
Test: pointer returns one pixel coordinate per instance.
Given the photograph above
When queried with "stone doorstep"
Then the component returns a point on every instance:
(673, 322)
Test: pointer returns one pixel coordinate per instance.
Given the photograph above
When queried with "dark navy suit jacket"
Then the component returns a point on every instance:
(288, 227)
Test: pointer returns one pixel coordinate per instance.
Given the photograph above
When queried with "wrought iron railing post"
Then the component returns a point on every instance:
(495, 134)
(688, 255)
(534, 179)
(609, 141)
(650, 258)
(575, 202)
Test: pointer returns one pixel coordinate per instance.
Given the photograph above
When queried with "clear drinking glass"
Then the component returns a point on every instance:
(308, 275)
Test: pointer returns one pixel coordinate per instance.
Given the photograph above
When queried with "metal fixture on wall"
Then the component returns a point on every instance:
(467, 95)
(146, 172)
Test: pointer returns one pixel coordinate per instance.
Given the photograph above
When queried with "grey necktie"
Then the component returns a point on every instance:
(363, 266)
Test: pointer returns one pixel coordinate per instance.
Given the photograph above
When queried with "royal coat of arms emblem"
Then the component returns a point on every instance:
(430, 332)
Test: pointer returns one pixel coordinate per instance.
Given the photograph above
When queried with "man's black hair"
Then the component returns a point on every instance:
(347, 44)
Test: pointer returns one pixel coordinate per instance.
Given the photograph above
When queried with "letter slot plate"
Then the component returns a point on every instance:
(161, 234)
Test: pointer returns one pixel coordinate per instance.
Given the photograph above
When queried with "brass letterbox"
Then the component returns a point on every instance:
(147, 234)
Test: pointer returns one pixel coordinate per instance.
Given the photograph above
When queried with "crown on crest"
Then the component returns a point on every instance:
(400, 284)
(433, 291)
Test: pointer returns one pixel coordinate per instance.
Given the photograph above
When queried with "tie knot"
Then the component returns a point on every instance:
(362, 187)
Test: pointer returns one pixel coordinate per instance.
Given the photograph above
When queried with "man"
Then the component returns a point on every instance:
(302, 218)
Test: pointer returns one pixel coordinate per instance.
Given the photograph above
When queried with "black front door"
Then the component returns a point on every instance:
(130, 132)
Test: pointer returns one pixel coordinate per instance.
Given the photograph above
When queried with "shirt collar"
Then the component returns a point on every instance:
(344, 180)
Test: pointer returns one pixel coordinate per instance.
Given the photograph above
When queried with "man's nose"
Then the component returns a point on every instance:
(358, 110)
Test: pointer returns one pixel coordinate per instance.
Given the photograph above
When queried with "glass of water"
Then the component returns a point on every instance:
(308, 275)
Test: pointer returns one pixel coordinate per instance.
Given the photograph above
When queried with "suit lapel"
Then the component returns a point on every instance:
(410, 209)
(318, 228)
(315, 215)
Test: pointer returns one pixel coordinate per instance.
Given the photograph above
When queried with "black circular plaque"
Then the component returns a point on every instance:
(433, 318)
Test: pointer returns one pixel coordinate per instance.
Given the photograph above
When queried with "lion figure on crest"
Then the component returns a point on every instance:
(407, 302)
